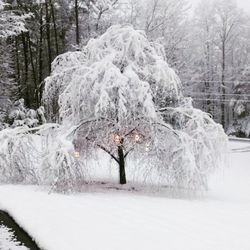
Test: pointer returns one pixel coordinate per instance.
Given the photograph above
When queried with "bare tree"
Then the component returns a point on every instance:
(228, 21)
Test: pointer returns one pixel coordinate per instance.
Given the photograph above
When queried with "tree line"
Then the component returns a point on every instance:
(208, 47)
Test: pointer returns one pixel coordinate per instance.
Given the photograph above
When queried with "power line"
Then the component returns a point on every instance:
(218, 100)
(217, 94)
(217, 83)
(214, 81)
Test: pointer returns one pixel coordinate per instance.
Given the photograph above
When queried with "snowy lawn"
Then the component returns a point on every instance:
(119, 220)
(7, 240)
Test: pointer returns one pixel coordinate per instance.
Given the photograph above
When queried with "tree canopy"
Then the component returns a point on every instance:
(118, 94)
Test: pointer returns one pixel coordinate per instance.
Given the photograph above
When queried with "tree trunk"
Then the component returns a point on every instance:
(121, 159)
(33, 71)
(54, 26)
(40, 55)
(18, 75)
(208, 78)
(48, 35)
(223, 90)
(77, 23)
(26, 69)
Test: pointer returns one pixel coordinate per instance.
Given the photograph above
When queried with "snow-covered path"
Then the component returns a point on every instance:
(117, 220)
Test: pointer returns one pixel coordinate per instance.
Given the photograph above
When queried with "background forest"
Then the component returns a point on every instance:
(208, 47)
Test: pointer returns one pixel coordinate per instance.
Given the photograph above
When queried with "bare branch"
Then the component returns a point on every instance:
(108, 152)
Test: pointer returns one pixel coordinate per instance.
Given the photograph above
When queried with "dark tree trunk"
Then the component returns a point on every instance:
(48, 35)
(33, 70)
(223, 90)
(208, 78)
(40, 60)
(18, 76)
(77, 23)
(26, 69)
(121, 159)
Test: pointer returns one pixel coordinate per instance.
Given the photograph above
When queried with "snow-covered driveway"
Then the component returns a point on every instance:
(119, 220)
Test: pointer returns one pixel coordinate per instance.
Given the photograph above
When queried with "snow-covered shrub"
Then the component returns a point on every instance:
(19, 115)
(17, 156)
(240, 127)
(39, 155)
(241, 107)
(60, 168)
(122, 97)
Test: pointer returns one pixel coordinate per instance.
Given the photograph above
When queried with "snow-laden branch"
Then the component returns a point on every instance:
(11, 22)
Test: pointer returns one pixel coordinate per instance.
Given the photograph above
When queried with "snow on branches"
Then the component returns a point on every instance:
(1, 5)
(32, 152)
(39, 155)
(19, 115)
(11, 23)
(121, 58)
(119, 95)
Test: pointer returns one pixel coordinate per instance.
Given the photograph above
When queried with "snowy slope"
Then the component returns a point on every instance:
(117, 220)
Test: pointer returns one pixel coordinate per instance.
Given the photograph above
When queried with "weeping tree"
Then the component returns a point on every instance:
(119, 95)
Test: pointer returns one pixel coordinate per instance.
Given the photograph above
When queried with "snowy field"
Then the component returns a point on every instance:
(135, 220)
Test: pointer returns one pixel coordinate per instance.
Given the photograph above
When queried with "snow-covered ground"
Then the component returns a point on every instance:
(117, 220)
(7, 240)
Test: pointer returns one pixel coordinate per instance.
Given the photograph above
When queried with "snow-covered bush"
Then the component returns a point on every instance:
(60, 168)
(122, 97)
(17, 156)
(39, 155)
(240, 127)
(241, 107)
(19, 115)
(33, 154)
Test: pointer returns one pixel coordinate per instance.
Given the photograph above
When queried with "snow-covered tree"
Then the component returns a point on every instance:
(219, 51)
(119, 95)
(241, 106)
(11, 23)
(4, 106)
(8, 85)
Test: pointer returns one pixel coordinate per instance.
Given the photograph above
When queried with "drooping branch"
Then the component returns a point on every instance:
(175, 110)
(85, 121)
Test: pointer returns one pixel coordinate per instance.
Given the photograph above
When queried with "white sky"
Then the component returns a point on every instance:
(244, 4)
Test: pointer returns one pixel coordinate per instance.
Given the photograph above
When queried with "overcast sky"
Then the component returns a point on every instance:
(245, 4)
